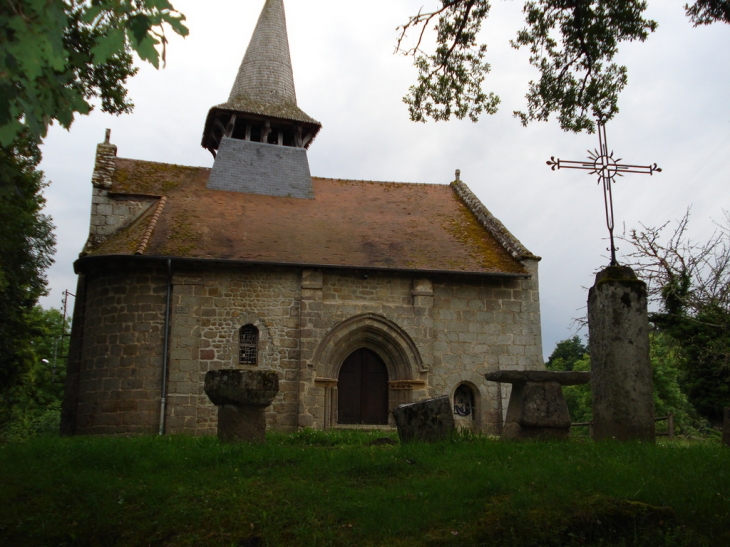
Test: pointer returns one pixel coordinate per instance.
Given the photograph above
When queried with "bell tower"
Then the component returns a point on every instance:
(259, 136)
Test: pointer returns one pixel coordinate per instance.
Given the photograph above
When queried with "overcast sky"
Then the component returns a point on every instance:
(675, 112)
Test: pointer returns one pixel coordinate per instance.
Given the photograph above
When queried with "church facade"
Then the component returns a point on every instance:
(361, 295)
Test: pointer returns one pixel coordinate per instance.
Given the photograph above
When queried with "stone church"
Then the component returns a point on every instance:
(361, 295)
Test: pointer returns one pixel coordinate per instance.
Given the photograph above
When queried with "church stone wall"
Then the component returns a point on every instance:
(434, 333)
(119, 373)
(209, 308)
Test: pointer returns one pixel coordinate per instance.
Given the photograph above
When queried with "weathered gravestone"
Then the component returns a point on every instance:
(537, 408)
(618, 327)
(430, 420)
(241, 397)
(726, 427)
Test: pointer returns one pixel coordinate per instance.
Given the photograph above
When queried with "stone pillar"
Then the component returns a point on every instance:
(621, 384)
(726, 428)
(241, 397)
(311, 321)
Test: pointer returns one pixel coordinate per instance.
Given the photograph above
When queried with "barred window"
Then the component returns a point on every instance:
(248, 345)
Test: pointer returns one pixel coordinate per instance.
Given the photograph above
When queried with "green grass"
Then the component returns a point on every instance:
(317, 489)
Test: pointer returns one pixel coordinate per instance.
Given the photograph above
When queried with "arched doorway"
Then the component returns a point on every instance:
(362, 389)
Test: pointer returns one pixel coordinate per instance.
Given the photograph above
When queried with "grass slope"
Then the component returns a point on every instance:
(317, 489)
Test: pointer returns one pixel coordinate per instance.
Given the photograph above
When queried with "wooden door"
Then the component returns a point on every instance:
(363, 389)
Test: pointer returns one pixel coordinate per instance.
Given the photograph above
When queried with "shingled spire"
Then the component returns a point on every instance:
(262, 106)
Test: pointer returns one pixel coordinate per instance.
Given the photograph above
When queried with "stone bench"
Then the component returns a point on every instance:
(537, 408)
(241, 397)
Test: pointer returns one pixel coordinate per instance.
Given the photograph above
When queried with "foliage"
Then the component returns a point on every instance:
(579, 398)
(32, 405)
(450, 80)
(26, 247)
(666, 363)
(566, 354)
(690, 282)
(181, 491)
(572, 44)
(578, 79)
(57, 55)
(705, 12)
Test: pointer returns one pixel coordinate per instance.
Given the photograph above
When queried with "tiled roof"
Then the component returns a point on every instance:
(352, 224)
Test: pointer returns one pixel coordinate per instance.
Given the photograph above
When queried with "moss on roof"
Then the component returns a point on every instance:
(348, 224)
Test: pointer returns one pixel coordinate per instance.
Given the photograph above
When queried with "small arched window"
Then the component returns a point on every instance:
(464, 402)
(248, 348)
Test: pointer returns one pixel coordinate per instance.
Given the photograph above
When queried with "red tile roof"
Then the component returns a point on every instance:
(356, 224)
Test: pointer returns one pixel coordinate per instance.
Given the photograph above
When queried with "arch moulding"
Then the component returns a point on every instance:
(394, 346)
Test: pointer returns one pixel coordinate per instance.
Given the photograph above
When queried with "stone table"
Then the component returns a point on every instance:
(537, 408)
(241, 397)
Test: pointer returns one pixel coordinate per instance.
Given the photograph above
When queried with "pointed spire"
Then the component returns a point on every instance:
(262, 105)
(266, 74)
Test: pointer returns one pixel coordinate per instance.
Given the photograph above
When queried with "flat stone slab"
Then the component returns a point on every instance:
(241, 387)
(429, 421)
(571, 378)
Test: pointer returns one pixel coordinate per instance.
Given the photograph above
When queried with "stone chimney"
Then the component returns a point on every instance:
(104, 164)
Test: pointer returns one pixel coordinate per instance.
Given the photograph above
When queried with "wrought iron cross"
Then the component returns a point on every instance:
(604, 165)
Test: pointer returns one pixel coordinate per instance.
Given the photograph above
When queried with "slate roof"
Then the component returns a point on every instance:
(353, 224)
(264, 84)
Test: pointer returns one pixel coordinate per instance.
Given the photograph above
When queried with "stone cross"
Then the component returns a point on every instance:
(603, 164)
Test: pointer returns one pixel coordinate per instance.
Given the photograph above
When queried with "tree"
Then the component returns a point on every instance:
(56, 58)
(566, 354)
(27, 245)
(571, 42)
(33, 403)
(690, 284)
(58, 55)
(666, 363)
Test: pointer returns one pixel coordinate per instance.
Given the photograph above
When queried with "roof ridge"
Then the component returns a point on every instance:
(339, 179)
(491, 223)
(151, 226)
(165, 163)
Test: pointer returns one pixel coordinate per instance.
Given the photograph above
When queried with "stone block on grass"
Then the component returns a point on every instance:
(430, 421)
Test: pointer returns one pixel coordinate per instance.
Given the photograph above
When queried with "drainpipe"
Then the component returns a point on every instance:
(165, 347)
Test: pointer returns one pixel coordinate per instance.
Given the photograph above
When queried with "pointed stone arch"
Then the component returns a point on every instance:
(385, 338)
(377, 333)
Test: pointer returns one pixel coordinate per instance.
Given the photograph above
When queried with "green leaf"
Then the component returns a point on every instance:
(147, 51)
(108, 44)
(175, 21)
(9, 132)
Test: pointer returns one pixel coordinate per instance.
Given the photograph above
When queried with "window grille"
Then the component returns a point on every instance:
(248, 345)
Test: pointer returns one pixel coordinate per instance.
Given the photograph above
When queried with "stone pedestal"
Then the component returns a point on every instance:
(241, 397)
(623, 406)
(537, 408)
(429, 421)
(726, 427)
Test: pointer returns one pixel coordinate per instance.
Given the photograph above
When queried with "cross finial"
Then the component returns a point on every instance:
(603, 164)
